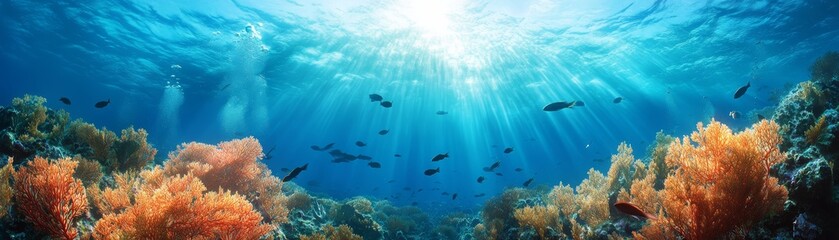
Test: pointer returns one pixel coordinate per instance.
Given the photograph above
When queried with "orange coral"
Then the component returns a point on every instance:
(6, 188)
(721, 183)
(100, 141)
(90, 172)
(539, 217)
(116, 199)
(815, 131)
(593, 199)
(233, 165)
(49, 196)
(180, 209)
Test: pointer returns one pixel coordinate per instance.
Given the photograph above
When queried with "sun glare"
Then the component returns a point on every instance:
(432, 17)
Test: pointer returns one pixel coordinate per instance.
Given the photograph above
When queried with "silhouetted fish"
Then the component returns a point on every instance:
(480, 195)
(492, 167)
(480, 179)
(527, 183)
(579, 104)
(375, 97)
(734, 115)
(364, 157)
(327, 147)
(518, 169)
(633, 210)
(360, 143)
(397, 155)
(102, 104)
(295, 172)
(430, 172)
(558, 106)
(225, 87)
(375, 165)
(387, 104)
(383, 132)
(65, 100)
(742, 90)
(617, 100)
(268, 154)
(499, 174)
(442, 112)
(440, 157)
(508, 150)
(454, 196)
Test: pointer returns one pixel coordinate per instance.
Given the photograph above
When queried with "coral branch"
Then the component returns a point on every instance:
(49, 196)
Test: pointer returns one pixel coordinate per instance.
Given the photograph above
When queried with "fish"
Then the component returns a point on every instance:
(324, 148)
(508, 150)
(493, 167)
(387, 104)
(442, 112)
(480, 179)
(499, 174)
(375, 165)
(633, 210)
(445, 193)
(734, 115)
(397, 155)
(742, 90)
(617, 100)
(360, 143)
(440, 157)
(579, 104)
(102, 104)
(384, 131)
(454, 196)
(480, 195)
(558, 106)
(225, 87)
(364, 157)
(527, 183)
(64, 100)
(518, 169)
(430, 172)
(268, 154)
(375, 97)
(295, 172)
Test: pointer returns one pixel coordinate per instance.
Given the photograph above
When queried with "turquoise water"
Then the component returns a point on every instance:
(298, 73)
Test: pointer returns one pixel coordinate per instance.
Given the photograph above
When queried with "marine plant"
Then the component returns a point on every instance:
(99, 141)
(89, 171)
(498, 212)
(342, 232)
(132, 151)
(540, 218)
(49, 197)
(657, 153)
(6, 191)
(814, 132)
(721, 185)
(593, 199)
(31, 114)
(180, 207)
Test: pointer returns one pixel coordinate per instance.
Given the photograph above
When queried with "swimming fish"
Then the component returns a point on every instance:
(384, 131)
(440, 157)
(102, 104)
(508, 150)
(527, 183)
(295, 172)
(493, 167)
(360, 143)
(397, 155)
(480, 179)
(558, 106)
(734, 115)
(387, 104)
(430, 172)
(633, 210)
(324, 148)
(442, 112)
(225, 87)
(518, 169)
(375, 165)
(364, 157)
(480, 195)
(618, 100)
(268, 154)
(579, 104)
(499, 174)
(375, 97)
(65, 100)
(742, 90)
(454, 196)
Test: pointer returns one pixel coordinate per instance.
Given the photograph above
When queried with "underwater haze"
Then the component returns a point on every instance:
(465, 77)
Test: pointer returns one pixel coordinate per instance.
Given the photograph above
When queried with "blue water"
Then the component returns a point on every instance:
(298, 73)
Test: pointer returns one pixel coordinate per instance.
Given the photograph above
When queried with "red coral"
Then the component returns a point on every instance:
(49, 196)
(232, 165)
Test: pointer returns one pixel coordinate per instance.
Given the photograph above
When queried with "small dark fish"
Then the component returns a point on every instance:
(633, 210)
(384, 131)
(440, 157)
(508, 150)
(480, 179)
(419, 190)
(617, 100)
(493, 167)
(442, 112)
(480, 195)
(742, 90)
(499, 174)
(225, 87)
(760, 117)
(375, 165)
(360, 143)
(454, 196)
(518, 169)
(268, 154)
(430, 172)
(397, 155)
(316, 148)
(102, 104)
(295, 172)
(734, 115)
(327, 147)
(558, 106)
(527, 183)
(364, 157)
(284, 169)
(375, 97)
(65, 100)
(387, 104)
(579, 104)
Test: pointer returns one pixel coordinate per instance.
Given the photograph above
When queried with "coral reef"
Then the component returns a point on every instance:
(49, 197)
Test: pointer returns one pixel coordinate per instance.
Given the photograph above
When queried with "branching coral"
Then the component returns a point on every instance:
(232, 165)
(180, 209)
(6, 191)
(49, 196)
(815, 131)
(593, 199)
(620, 173)
(539, 217)
(117, 198)
(498, 211)
(132, 151)
(31, 114)
(657, 153)
(90, 172)
(269, 198)
(100, 141)
(721, 184)
(562, 196)
(342, 232)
